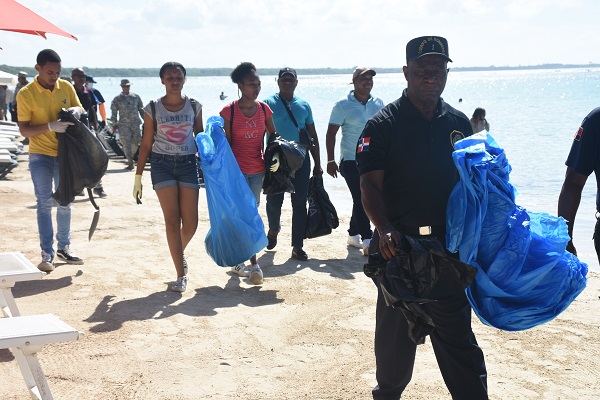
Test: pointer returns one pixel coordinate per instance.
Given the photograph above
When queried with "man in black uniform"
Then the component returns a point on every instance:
(404, 157)
(584, 158)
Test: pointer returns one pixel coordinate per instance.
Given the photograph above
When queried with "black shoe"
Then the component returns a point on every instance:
(100, 192)
(67, 255)
(299, 254)
(272, 241)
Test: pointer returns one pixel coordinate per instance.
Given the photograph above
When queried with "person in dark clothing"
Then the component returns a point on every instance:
(285, 104)
(583, 159)
(86, 96)
(407, 173)
(99, 99)
(88, 101)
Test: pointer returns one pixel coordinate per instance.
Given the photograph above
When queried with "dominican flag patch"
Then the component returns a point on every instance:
(579, 134)
(363, 144)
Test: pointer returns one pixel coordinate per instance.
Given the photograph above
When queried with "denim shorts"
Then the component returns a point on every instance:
(173, 170)
(255, 182)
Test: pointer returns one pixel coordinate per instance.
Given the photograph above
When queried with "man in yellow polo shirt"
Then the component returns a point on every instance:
(39, 104)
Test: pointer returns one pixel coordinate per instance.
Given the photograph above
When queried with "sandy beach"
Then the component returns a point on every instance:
(306, 333)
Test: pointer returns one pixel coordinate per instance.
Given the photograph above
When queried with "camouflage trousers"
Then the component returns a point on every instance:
(130, 136)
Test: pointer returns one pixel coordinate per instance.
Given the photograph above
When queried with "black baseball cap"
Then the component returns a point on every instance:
(90, 78)
(426, 45)
(288, 70)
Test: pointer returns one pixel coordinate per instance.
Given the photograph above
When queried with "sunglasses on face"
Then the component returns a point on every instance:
(436, 71)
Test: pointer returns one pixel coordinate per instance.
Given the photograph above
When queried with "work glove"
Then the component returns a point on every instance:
(59, 126)
(274, 162)
(137, 189)
(76, 111)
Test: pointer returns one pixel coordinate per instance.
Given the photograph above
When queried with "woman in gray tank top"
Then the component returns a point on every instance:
(168, 143)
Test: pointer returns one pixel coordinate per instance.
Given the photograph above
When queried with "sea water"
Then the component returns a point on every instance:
(533, 115)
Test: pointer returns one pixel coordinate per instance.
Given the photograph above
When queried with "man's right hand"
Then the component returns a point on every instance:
(59, 126)
(332, 169)
(387, 243)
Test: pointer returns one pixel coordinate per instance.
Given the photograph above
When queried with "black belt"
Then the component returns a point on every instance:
(178, 157)
(425, 230)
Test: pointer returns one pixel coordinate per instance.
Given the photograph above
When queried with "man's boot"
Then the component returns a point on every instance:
(129, 163)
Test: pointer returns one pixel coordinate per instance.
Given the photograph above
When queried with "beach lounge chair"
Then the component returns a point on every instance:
(11, 146)
(14, 132)
(14, 135)
(10, 133)
(7, 163)
(26, 336)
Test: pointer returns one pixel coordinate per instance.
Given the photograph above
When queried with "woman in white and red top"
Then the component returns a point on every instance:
(245, 133)
(171, 150)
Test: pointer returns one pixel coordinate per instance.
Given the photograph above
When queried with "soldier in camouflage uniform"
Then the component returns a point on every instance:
(130, 109)
(13, 104)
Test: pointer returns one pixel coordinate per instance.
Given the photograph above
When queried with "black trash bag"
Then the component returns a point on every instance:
(291, 158)
(293, 153)
(420, 273)
(82, 160)
(322, 217)
(278, 181)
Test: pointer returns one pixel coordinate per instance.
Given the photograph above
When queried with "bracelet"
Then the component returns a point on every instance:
(330, 161)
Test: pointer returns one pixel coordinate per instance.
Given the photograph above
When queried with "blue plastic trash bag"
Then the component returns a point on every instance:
(236, 230)
(525, 277)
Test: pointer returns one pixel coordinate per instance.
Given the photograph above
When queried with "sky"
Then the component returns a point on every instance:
(308, 33)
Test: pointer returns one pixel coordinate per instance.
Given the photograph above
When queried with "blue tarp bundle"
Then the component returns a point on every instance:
(236, 230)
(525, 275)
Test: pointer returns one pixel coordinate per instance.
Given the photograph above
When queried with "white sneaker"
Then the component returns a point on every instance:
(355, 241)
(365, 246)
(47, 264)
(180, 285)
(240, 270)
(256, 275)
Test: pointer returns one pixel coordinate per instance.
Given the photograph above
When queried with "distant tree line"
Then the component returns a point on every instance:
(151, 72)
(140, 72)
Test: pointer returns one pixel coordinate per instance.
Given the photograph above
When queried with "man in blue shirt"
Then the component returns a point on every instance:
(352, 113)
(282, 104)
